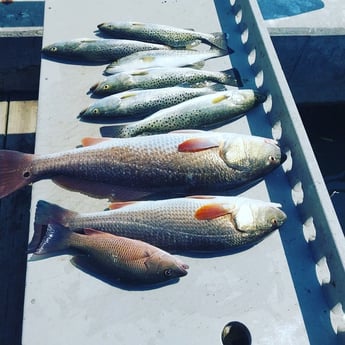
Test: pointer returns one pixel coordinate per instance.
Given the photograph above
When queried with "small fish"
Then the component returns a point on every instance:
(133, 168)
(207, 223)
(197, 113)
(163, 58)
(124, 258)
(160, 77)
(96, 50)
(163, 34)
(141, 103)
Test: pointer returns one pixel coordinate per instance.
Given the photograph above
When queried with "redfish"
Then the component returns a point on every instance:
(206, 223)
(122, 258)
(181, 162)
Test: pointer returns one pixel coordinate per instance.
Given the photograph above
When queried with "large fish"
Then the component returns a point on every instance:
(122, 258)
(97, 50)
(163, 34)
(201, 112)
(206, 223)
(132, 168)
(140, 103)
(163, 58)
(160, 77)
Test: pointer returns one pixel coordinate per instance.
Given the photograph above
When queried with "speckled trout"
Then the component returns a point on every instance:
(133, 168)
(97, 50)
(140, 103)
(160, 77)
(163, 34)
(163, 58)
(121, 258)
(203, 112)
(193, 223)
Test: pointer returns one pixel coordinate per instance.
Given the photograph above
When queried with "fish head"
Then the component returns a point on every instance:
(257, 218)
(112, 84)
(251, 154)
(61, 48)
(101, 108)
(162, 266)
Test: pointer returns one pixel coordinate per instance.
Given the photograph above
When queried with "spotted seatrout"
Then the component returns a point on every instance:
(163, 34)
(140, 103)
(131, 168)
(205, 223)
(203, 112)
(122, 258)
(163, 58)
(160, 77)
(97, 50)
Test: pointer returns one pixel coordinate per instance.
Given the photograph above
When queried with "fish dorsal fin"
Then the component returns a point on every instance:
(94, 232)
(147, 58)
(139, 72)
(128, 95)
(210, 211)
(219, 99)
(89, 141)
(197, 144)
(120, 204)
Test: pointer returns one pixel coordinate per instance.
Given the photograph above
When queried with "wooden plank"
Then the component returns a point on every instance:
(14, 222)
(3, 122)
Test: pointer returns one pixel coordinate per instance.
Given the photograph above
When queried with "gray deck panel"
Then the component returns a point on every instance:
(271, 287)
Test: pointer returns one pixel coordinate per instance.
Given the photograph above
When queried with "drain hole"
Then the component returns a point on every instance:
(236, 333)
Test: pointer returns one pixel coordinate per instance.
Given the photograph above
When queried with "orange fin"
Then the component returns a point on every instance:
(197, 144)
(120, 204)
(210, 211)
(93, 141)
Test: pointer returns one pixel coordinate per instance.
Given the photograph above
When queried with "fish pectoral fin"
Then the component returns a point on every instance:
(139, 72)
(99, 190)
(210, 211)
(219, 99)
(197, 144)
(88, 141)
(147, 58)
(120, 204)
(128, 95)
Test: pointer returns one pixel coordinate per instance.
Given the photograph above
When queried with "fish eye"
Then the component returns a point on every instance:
(95, 111)
(271, 158)
(53, 49)
(106, 87)
(274, 221)
(168, 272)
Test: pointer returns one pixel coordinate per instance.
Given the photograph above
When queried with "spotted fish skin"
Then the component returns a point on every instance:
(132, 168)
(163, 58)
(124, 258)
(198, 113)
(140, 103)
(96, 50)
(161, 77)
(194, 223)
(163, 34)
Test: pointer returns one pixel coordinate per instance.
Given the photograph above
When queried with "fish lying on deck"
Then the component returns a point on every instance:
(163, 58)
(163, 34)
(132, 168)
(206, 223)
(96, 50)
(203, 112)
(159, 77)
(140, 103)
(123, 258)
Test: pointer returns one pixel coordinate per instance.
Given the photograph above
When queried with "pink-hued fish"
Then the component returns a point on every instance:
(123, 258)
(206, 223)
(185, 162)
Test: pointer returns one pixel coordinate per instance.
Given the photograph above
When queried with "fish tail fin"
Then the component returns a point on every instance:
(115, 131)
(47, 212)
(219, 40)
(14, 171)
(232, 77)
(57, 238)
